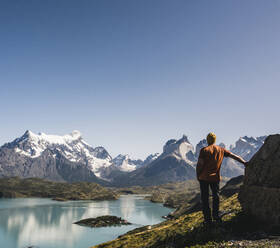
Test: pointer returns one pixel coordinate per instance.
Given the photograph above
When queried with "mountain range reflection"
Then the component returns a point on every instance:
(45, 223)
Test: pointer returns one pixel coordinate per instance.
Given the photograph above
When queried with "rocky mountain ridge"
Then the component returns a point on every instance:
(70, 158)
(71, 146)
(63, 158)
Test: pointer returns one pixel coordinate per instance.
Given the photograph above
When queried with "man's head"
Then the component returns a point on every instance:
(211, 138)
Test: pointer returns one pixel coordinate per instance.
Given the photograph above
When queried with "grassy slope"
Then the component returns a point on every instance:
(35, 187)
(188, 231)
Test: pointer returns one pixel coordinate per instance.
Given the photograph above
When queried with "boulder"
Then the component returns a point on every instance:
(260, 193)
(232, 186)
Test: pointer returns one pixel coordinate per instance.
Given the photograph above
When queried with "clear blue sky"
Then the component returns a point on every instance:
(132, 74)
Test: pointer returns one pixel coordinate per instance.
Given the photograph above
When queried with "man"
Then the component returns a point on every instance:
(208, 174)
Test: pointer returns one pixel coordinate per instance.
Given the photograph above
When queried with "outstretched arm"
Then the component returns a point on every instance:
(238, 158)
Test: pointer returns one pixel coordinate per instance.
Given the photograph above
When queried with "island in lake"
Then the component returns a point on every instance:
(103, 221)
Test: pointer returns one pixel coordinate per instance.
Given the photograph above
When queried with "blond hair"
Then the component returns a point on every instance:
(211, 138)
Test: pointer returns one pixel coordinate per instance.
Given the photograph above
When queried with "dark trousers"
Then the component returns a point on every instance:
(204, 191)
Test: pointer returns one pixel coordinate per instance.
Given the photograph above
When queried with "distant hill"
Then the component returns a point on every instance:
(35, 187)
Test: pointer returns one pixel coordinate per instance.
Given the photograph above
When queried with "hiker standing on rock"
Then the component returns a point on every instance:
(208, 174)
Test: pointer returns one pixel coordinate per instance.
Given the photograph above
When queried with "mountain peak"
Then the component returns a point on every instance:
(126, 163)
(28, 134)
(247, 146)
(185, 138)
(52, 139)
(71, 146)
(76, 134)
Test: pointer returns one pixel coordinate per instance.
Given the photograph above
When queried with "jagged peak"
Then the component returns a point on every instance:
(28, 134)
(184, 139)
(125, 157)
(51, 138)
(76, 134)
(245, 142)
(202, 142)
(247, 139)
(173, 141)
(122, 156)
(153, 155)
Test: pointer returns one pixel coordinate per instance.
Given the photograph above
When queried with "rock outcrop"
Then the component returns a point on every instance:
(260, 194)
(232, 186)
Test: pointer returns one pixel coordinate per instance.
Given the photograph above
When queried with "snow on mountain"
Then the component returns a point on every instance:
(30, 154)
(151, 158)
(71, 146)
(128, 164)
(180, 149)
(199, 146)
(172, 165)
(246, 146)
(125, 163)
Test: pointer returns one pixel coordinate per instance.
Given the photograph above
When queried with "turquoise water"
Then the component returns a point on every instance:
(44, 223)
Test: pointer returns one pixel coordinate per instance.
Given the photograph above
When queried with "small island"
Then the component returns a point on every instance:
(103, 221)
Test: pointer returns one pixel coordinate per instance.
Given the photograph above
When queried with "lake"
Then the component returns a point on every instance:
(44, 223)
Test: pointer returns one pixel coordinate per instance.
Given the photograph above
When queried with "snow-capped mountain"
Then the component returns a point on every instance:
(151, 158)
(198, 147)
(179, 158)
(122, 165)
(173, 164)
(181, 149)
(125, 163)
(70, 158)
(246, 146)
(25, 155)
(71, 146)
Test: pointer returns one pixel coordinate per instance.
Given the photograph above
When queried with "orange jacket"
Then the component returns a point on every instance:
(209, 163)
